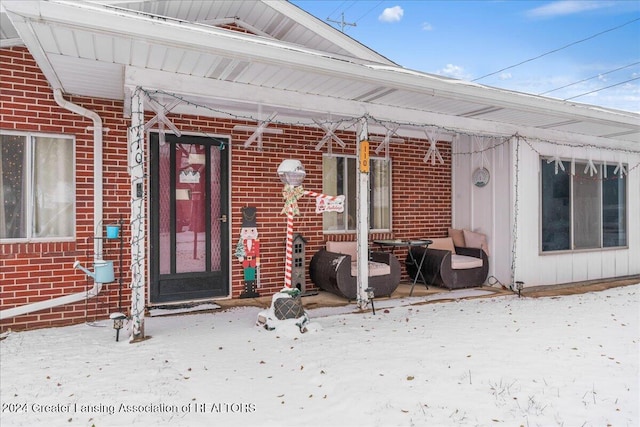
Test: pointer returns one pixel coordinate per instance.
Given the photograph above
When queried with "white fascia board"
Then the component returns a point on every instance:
(4, 43)
(251, 48)
(186, 86)
(164, 31)
(28, 36)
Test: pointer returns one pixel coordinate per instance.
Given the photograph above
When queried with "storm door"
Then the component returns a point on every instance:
(189, 229)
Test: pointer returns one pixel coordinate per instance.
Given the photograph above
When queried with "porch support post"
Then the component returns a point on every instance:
(362, 213)
(138, 217)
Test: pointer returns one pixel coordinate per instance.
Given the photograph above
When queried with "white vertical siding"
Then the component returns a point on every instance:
(490, 210)
(562, 267)
(485, 210)
(534, 268)
(622, 264)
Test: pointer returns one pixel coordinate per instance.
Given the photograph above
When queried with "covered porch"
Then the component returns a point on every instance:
(252, 82)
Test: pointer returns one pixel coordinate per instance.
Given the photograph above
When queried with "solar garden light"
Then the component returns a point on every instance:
(370, 295)
(118, 323)
(519, 287)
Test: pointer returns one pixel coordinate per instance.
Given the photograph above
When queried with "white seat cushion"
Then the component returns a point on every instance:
(351, 248)
(375, 269)
(463, 262)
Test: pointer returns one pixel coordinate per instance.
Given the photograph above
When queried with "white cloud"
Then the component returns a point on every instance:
(505, 76)
(427, 26)
(391, 14)
(454, 71)
(567, 7)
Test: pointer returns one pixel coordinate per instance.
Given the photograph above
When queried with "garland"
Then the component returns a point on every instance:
(291, 195)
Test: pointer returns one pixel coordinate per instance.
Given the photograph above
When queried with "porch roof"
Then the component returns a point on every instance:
(288, 62)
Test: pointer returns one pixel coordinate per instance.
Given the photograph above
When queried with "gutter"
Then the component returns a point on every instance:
(97, 209)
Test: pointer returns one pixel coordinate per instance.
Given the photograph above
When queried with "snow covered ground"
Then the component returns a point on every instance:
(503, 361)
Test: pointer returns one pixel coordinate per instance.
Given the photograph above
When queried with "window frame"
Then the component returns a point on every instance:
(30, 140)
(346, 230)
(577, 163)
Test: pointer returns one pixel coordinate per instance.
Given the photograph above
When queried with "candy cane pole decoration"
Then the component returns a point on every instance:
(289, 256)
(291, 196)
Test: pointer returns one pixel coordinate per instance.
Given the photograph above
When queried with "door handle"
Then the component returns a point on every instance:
(223, 218)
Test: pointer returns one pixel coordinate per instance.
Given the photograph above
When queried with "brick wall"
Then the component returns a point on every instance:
(33, 272)
(37, 271)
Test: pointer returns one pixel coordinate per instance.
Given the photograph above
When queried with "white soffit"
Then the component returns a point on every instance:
(89, 78)
(8, 34)
(277, 19)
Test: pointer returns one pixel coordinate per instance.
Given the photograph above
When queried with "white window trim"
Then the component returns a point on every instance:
(29, 214)
(372, 230)
(600, 164)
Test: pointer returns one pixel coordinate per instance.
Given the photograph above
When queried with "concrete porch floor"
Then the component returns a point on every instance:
(327, 299)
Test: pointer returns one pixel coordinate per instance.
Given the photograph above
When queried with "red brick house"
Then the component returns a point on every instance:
(169, 120)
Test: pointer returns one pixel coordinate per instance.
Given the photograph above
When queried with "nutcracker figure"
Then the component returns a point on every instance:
(248, 252)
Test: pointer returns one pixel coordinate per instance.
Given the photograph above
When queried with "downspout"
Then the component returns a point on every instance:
(97, 209)
(55, 302)
(97, 165)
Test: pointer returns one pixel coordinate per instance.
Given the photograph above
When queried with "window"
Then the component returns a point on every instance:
(582, 211)
(37, 200)
(340, 177)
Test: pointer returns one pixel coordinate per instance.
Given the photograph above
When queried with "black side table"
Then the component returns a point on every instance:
(409, 244)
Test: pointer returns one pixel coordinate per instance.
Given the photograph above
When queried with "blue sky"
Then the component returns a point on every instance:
(470, 39)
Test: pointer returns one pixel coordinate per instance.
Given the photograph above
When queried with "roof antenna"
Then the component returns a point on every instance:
(342, 22)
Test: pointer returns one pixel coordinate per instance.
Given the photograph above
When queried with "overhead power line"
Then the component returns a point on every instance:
(589, 78)
(336, 9)
(369, 11)
(557, 50)
(602, 88)
(342, 22)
